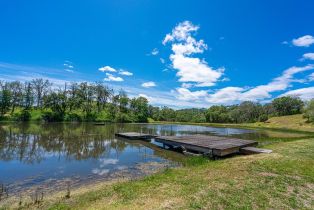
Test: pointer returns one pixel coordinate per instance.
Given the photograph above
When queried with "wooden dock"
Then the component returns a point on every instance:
(135, 136)
(209, 145)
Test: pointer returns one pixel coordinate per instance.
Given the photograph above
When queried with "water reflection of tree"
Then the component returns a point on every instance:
(31, 143)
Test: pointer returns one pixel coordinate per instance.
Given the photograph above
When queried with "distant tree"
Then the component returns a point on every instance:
(103, 93)
(16, 89)
(28, 97)
(139, 109)
(288, 105)
(41, 88)
(217, 114)
(57, 102)
(167, 114)
(5, 98)
(309, 111)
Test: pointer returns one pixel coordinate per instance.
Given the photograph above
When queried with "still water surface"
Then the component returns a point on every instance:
(42, 154)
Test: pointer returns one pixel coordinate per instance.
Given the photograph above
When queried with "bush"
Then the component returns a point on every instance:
(50, 116)
(24, 115)
(73, 117)
(263, 118)
(122, 118)
(90, 117)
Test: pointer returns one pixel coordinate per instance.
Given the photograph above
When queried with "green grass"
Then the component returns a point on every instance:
(281, 180)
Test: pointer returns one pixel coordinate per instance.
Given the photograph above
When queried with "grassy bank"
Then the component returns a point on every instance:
(281, 180)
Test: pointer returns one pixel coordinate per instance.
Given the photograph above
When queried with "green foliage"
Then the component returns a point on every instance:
(24, 115)
(73, 117)
(288, 105)
(309, 111)
(217, 114)
(5, 101)
(50, 116)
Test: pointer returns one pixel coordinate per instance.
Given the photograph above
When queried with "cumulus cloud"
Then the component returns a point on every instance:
(111, 77)
(125, 73)
(187, 95)
(311, 77)
(190, 69)
(304, 41)
(107, 68)
(309, 56)
(149, 84)
(231, 95)
(303, 93)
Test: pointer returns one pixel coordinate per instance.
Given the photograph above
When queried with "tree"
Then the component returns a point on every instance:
(309, 111)
(217, 114)
(288, 105)
(57, 102)
(139, 109)
(103, 94)
(16, 89)
(28, 97)
(5, 99)
(167, 114)
(40, 88)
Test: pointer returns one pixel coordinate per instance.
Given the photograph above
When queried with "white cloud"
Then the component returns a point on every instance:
(190, 69)
(303, 93)
(304, 41)
(162, 60)
(309, 56)
(125, 73)
(231, 95)
(155, 51)
(278, 84)
(107, 68)
(311, 77)
(187, 95)
(187, 85)
(149, 84)
(225, 95)
(110, 77)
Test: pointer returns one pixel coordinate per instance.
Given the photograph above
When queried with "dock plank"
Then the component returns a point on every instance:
(215, 145)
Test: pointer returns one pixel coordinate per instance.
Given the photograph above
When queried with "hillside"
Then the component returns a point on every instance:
(293, 122)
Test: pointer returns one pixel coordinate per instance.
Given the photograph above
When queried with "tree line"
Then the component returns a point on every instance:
(39, 99)
(245, 112)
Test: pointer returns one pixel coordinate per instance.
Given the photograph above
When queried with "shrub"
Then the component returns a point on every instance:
(24, 115)
(73, 117)
(263, 118)
(50, 116)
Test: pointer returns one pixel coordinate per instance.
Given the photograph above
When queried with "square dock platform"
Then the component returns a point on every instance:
(211, 145)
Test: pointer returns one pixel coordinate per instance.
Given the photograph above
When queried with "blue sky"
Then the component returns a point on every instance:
(175, 53)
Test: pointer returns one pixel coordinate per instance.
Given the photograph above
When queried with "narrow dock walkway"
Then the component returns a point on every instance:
(210, 145)
(135, 136)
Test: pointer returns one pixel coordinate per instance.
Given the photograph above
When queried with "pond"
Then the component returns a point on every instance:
(47, 155)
